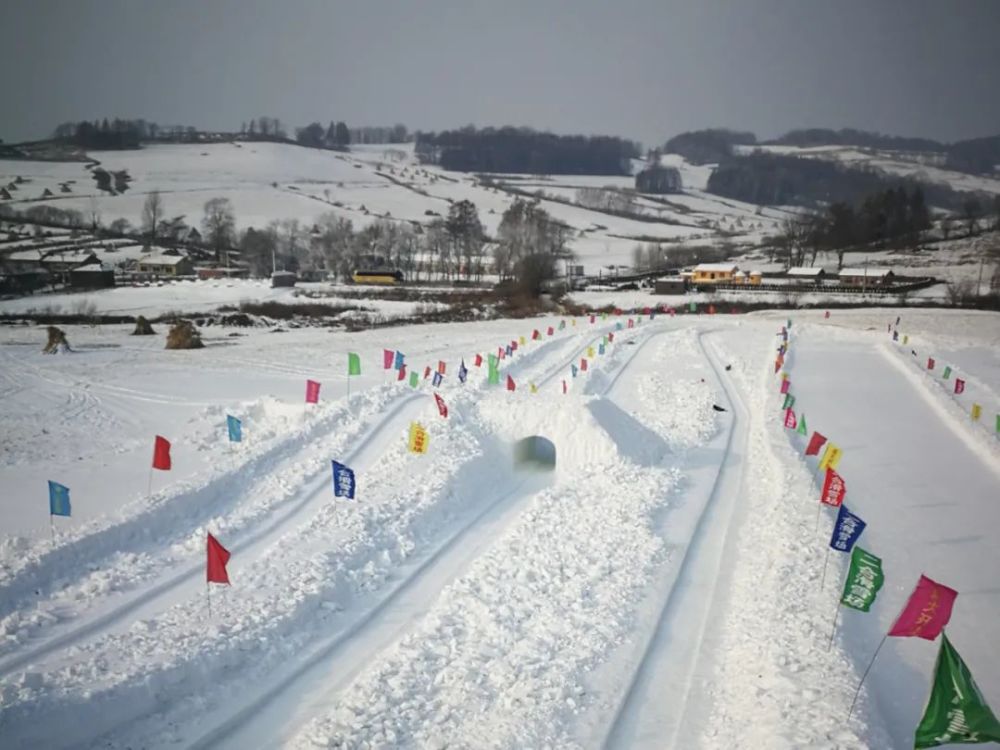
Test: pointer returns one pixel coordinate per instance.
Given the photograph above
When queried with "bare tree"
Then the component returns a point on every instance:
(218, 226)
(152, 214)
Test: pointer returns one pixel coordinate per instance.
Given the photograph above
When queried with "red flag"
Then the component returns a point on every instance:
(513, 346)
(427, 372)
(161, 454)
(441, 366)
(834, 489)
(312, 392)
(593, 318)
(927, 611)
(785, 385)
(388, 358)
(501, 354)
(510, 383)
(631, 323)
(618, 311)
(815, 443)
(583, 364)
(826, 314)
(646, 311)
(611, 337)
(218, 556)
(442, 406)
(402, 373)
(790, 419)
(535, 334)
(959, 385)
(711, 309)
(930, 363)
(672, 312)
(564, 386)
(479, 360)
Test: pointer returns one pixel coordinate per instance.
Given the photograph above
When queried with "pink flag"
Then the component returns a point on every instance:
(550, 331)
(312, 391)
(513, 345)
(959, 385)
(790, 419)
(583, 364)
(388, 358)
(611, 337)
(401, 375)
(631, 323)
(826, 314)
(930, 363)
(442, 407)
(927, 611)
(593, 318)
(785, 385)
(564, 386)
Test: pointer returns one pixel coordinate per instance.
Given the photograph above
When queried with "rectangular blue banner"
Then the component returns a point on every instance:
(343, 481)
(846, 531)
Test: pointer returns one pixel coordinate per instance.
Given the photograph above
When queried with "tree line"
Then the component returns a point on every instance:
(525, 151)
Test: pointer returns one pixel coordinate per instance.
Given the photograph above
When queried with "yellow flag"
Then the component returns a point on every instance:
(520, 340)
(831, 457)
(534, 388)
(574, 321)
(906, 339)
(590, 352)
(418, 438)
(784, 376)
(977, 412)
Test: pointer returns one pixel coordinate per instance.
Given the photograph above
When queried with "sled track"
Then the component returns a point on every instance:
(672, 649)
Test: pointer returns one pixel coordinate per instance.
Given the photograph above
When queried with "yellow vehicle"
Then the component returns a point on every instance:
(387, 277)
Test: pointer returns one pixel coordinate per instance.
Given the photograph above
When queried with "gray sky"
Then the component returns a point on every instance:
(645, 69)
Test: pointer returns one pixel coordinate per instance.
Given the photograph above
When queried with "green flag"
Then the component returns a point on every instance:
(947, 372)
(789, 401)
(802, 429)
(956, 711)
(414, 379)
(353, 364)
(864, 579)
(692, 307)
(494, 371)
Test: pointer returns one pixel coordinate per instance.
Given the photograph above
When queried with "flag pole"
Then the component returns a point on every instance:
(208, 598)
(52, 528)
(819, 509)
(833, 632)
(826, 563)
(149, 486)
(872, 662)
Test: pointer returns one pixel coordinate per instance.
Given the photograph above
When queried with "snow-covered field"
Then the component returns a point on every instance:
(660, 588)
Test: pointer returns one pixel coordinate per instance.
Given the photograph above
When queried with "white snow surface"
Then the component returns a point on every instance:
(660, 588)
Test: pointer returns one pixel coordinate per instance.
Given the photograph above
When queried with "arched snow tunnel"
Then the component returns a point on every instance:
(535, 452)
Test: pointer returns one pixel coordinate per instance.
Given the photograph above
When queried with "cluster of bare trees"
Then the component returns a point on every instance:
(606, 199)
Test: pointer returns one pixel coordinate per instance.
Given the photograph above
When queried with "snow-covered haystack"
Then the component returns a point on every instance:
(183, 335)
(143, 327)
(57, 342)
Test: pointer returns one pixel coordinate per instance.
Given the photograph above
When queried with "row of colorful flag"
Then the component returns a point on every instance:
(956, 711)
(976, 409)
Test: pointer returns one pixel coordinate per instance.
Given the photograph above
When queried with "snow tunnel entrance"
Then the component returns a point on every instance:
(535, 452)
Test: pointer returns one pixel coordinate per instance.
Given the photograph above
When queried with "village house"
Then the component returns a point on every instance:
(714, 273)
(865, 277)
(805, 274)
(166, 265)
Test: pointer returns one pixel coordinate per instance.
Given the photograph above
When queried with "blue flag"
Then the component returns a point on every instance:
(895, 335)
(509, 352)
(618, 325)
(463, 373)
(846, 531)
(600, 348)
(58, 499)
(235, 427)
(573, 369)
(436, 380)
(343, 481)
(398, 362)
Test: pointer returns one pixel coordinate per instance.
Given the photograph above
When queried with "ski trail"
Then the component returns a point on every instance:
(652, 708)
(155, 597)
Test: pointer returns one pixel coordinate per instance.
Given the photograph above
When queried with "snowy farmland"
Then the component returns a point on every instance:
(664, 586)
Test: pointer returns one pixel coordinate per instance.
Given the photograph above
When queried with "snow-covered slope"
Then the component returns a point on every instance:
(660, 588)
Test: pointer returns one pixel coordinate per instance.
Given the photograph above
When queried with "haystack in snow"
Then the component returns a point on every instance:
(57, 342)
(183, 335)
(143, 327)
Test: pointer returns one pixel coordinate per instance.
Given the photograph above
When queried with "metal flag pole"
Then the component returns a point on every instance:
(872, 662)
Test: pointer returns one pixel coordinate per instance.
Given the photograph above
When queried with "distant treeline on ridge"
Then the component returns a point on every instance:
(526, 151)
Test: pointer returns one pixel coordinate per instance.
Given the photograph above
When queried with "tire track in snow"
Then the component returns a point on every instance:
(651, 711)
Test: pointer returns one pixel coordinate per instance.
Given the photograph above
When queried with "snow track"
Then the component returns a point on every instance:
(653, 706)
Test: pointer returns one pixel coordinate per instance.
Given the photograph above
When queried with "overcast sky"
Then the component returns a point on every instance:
(646, 69)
